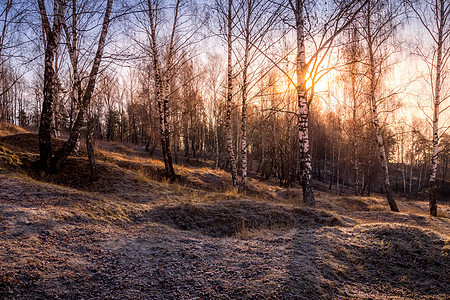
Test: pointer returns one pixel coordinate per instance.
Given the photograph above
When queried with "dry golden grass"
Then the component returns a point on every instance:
(141, 177)
(200, 184)
(66, 237)
(10, 129)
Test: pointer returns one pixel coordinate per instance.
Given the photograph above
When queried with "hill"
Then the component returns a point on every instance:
(131, 235)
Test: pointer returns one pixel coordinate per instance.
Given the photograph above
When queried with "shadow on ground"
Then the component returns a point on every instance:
(369, 262)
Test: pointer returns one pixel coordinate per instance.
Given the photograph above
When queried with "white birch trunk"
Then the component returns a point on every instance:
(303, 108)
(244, 153)
(355, 143)
(72, 45)
(216, 133)
(437, 99)
(338, 175)
(411, 167)
(375, 119)
(383, 158)
(74, 137)
(403, 167)
(162, 89)
(229, 136)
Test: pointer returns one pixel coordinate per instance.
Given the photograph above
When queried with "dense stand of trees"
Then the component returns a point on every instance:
(284, 90)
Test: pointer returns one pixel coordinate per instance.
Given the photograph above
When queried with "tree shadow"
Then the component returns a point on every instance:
(368, 261)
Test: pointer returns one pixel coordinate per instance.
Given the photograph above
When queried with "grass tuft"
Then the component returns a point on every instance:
(231, 193)
(141, 177)
(8, 158)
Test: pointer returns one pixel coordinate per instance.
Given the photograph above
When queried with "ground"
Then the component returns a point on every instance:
(132, 235)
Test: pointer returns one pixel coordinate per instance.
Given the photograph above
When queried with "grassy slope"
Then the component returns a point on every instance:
(132, 235)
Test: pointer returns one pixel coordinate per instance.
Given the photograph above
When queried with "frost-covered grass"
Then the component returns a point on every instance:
(133, 235)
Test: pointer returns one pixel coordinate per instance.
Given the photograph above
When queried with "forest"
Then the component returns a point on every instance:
(139, 138)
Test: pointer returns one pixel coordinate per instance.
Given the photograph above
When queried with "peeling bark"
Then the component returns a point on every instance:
(303, 109)
(244, 147)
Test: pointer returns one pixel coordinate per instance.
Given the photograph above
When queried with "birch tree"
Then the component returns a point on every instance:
(52, 34)
(435, 18)
(53, 162)
(214, 81)
(354, 91)
(13, 14)
(229, 14)
(377, 26)
(247, 31)
(5, 15)
(11, 20)
(444, 154)
(257, 19)
(331, 24)
(162, 77)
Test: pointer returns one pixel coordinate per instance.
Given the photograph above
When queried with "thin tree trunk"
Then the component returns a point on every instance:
(76, 95)
(171, 172)
(244, 98)
(356, 168)
(383, 157)
(338, 175)
(162, 124)
(376, 123)
(162, 89)
(175, 150)
(403, 168)
(355, 134)
(229, 135)
(332, 168)
(244, 141)
(55, 118)
(186, 141)
(437, 99)
(216, 135)
(303, 108)
(70, 144)
(52, 37)
(411, 167)
(419, 180)
(444, 173)
(90, 149)
(325, 165)
(6, 11)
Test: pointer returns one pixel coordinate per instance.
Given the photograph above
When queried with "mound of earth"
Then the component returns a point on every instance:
(27, 142)
(228, 218)
(10, 129)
